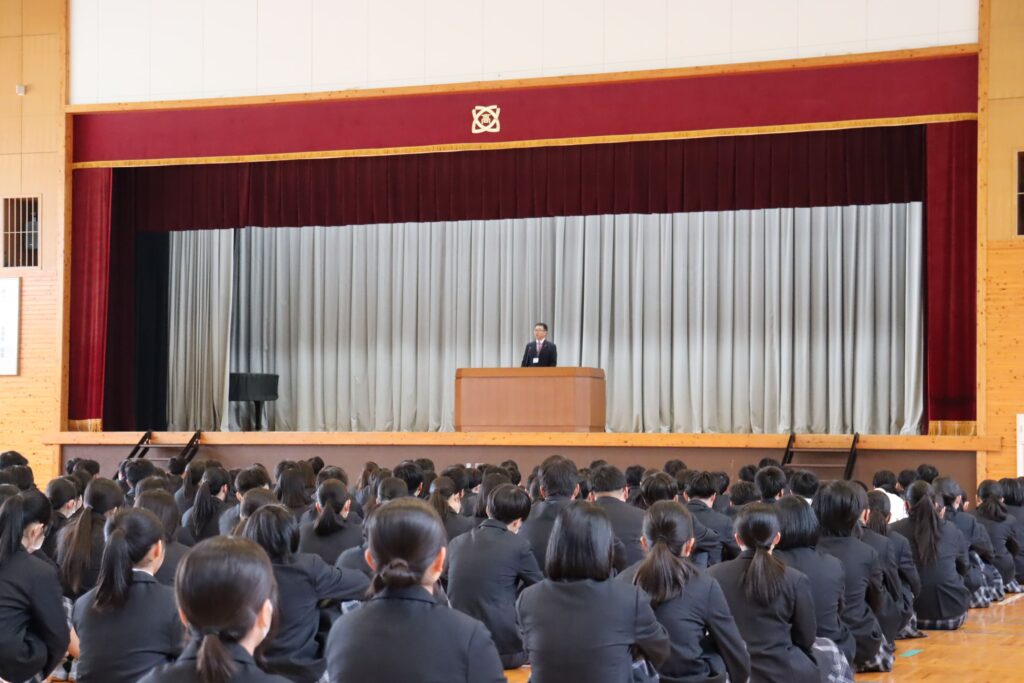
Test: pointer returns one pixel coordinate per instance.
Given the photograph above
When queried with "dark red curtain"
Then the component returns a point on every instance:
(829, 168)
(951, 262)
(90, 280)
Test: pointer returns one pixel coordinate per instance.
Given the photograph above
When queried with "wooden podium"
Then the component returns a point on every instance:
(529, 400)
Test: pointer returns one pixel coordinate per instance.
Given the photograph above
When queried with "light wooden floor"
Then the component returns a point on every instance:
(989, 648)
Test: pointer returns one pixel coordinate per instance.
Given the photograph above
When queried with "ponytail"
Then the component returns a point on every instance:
(131, 534)
(205, 505)
(12, 527)
(331, 496)
(404, 538)
(757, 527)
(74, 550)
(925, 539)
(441, 491)
(395, 574)
(213, 661)
(992, 506)
(879, 510)
(663, 574)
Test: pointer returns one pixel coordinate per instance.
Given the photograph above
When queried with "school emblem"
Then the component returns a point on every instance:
(485, 119)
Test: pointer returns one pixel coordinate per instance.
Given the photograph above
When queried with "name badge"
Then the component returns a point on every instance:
(536, 360)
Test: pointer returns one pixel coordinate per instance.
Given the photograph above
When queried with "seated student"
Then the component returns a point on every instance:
(1006, 546)
(332, 472)
(161, 504)
(252, 501)
(291, 491)
(660, 486)
(578, 625)
(474, 478)
(558, 486)
(391, 488)
(876, 518)
(771, 482)
(982, 579)
(748, 473)
(742, 493)
(190, 481)
(248, 479)
(175, 470)
(1013, 499)
(701, 497)
(634, 475)
(203, 519)
(303, 581)
(80, 543)
(412, 474)
(706, 645)
(488, 568)
(886, 482)
(838, 508)
(941, 562)
(893, 612)
(65, 499)
(771, 603)
(406, 549)
(134, 472)
(226, 594)
(927, 472)
(33, 625)
(364, 493)
(608, 489)
(805, 484)
(128, 623)
(800, 533)
(445, 497)
(491, 481)
(722, 486)
(334, 530)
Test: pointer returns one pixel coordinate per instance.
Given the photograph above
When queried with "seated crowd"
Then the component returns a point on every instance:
(198, 573)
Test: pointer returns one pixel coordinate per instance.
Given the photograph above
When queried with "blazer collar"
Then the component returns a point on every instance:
(494, 524)
(142, 577)
(418, 593)
(237, 652)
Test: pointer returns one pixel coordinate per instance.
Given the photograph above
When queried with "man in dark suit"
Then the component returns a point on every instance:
(540, 353)
(608, 488)
(700, 493)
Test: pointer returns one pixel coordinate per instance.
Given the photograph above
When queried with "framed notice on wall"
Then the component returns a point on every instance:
(10, 299)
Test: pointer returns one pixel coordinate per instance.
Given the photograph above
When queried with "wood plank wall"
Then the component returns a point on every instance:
(32, 163)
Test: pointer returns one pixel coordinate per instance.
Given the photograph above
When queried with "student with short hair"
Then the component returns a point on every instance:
(771, 482)
(34, 632)
(559, 484)
(1007, 550)
(334, 530)
(797, 549)
(701, 496)
(608, 490)
(886, 482)
(742, 493)
(161, 503)
(705, 642)
(805, 484)
(406, 549)
(304, 581)
(128, 624)
(941, 561)
(491, 481)
(490, 565)
(927, 472)
(248, 479)
(412, 474)
(80, 543)
(771, 603)
(446, 499)
(748, 473)
(226, 592)
(578, 625)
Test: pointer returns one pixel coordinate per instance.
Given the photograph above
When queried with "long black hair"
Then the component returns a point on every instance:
(797, 523)
(331, 496)
(130, 534)
(663, 573)
(879, 511)
(404, 538)
(221, 586)
(922, 512)
(581, 544)
(291, 488)
(491, 481)
(273, 528)
(206, 504)
(16, 514)
(757, 526)
(441, 490)
(74, 545)
(838, 505)
(190, 481)
(990, 493)
(161, 503)
(947, 491)
(1013, 491)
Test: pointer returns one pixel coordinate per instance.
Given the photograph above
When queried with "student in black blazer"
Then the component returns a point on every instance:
(800, 533)
(706, 644)
(490, 565)
(226, 597)
(578, 624)
(1013, 498)
(65, 500)
(80, 544)
(303, 582)
(559, 484)
(445, 499)
(161, 504)
(291, 492)
(701, 498)
(608, 490)
(406, 544)
(128, 624)
(991, 513)
(203, 519)
(33, 625)
(540, 353)
(335, 528)
(190, 481)
(661, 486)
(249, 479)
(980, 575)
(901, 572)
(940, 558)
(838, 506)
(771, 603)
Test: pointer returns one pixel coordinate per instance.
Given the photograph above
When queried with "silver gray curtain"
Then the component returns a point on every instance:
(745, 321)
(199, 320)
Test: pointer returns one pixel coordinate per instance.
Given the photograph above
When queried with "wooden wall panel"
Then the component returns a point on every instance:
(32, 163)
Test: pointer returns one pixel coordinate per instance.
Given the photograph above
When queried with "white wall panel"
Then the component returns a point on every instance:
(136, 50)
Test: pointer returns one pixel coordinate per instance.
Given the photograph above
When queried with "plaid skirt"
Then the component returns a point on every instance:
(942, 624)
(910, 630)
(1013, 587)
(883, 659)
(831, 662)
(991, 589)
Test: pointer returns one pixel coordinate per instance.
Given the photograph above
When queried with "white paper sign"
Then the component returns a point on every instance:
(10, 299)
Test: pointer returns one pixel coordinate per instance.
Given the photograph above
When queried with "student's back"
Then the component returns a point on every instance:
(828, 587)
(329, 546)
(33, 626)
(80, 543)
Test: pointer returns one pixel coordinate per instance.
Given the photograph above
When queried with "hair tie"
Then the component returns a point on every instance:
(210, 631)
